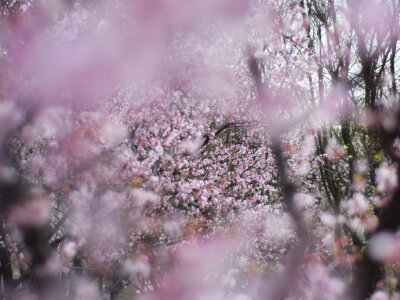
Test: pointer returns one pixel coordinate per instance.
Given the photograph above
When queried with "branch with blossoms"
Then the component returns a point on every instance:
(224, 127)
(278, 287)
(369, 269)
(27, 209)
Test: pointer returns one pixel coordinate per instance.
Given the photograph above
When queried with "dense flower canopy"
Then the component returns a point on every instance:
(214, 149)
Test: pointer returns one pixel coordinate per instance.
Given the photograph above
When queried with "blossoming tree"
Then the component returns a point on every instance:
(213, 149)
